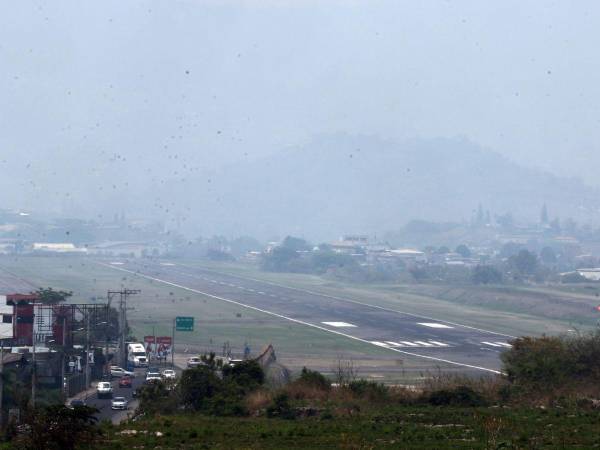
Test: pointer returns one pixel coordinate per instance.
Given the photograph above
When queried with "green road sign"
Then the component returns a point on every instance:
(184, 323)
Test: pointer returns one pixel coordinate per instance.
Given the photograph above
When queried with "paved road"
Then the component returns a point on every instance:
(473, 349)
(103, 404)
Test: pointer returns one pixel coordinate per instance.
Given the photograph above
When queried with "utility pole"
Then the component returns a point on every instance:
(87, 351)
(173, 345)
(62, 359)
(1, 380)
(123, 294)
(33, 374)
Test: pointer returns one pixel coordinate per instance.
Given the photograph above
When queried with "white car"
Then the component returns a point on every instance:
(169, 374)
(194, 361)
(104, 389)
(119, 372)
(151, 377)
(118, 403)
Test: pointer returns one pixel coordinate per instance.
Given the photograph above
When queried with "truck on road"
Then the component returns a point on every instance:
(136, 355)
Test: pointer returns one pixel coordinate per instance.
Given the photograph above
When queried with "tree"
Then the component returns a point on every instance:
(486, 275)
(548, 256)
(296, 244)
(49, 296)
(544, 215)
(247, 374)
(480, 217)
(524, 262)
(463, 250)
(505, 221)
(57, 427)
(198, 386)
(279, 259)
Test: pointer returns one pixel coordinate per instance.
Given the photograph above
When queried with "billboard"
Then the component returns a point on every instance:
(158, 347)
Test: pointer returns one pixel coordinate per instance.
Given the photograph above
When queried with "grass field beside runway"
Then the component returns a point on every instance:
(217, 322)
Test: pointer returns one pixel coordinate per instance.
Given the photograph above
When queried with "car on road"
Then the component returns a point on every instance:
(118, 372)
(75, 403)
(125, 382)
(119, 403)
(169, 374)
(152, 377)
(194, 361)
(104, 389)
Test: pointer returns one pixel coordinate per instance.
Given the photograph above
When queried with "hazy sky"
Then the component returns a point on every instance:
(177, 86)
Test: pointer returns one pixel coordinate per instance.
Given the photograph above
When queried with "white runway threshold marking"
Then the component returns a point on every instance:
(301, 322)
(434, 325)
(497, 344)
(340, 324)
(422, 344)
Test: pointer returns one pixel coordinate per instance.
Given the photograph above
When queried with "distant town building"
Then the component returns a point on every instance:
(58, 247)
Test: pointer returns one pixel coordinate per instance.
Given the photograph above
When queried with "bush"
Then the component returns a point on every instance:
(486, 275)
(314, 379)
(246, 374)
(281, 407)
(370, 390)
(543, 362)
(458, 396)
(198, 386)
(553, 364)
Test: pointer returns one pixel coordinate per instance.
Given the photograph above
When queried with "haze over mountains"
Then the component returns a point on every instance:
(361, 184)
(331, 185)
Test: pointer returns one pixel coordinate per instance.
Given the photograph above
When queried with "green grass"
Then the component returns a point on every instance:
(217, 322)
(513, 310)
(422, 427)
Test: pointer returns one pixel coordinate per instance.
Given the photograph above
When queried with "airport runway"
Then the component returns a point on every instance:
(434, 339)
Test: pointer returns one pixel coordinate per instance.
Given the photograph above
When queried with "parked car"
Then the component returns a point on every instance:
(125, 382)
(118, 403)
(104, 389)
(194, 361)
(152, 377)
(169, 374)
(119, 372)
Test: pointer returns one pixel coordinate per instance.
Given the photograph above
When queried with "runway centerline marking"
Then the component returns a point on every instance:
(301, 322)
(434, 325)
(340, 324)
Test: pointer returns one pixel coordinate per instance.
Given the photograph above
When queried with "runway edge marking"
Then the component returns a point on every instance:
(301, 322)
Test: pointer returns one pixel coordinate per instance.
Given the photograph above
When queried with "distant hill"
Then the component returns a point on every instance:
(339, 184)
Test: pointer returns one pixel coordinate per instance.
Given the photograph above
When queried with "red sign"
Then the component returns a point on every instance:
(158, 346)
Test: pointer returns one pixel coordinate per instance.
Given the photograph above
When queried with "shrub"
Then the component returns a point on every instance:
(198, 386)
(543, 362)
(314, 379)
(370, 390)
(459, 396)
(281, 407)
(247, 374)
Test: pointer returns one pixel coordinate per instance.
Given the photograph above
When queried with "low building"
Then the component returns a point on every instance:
(592, 274)
(57, 247)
